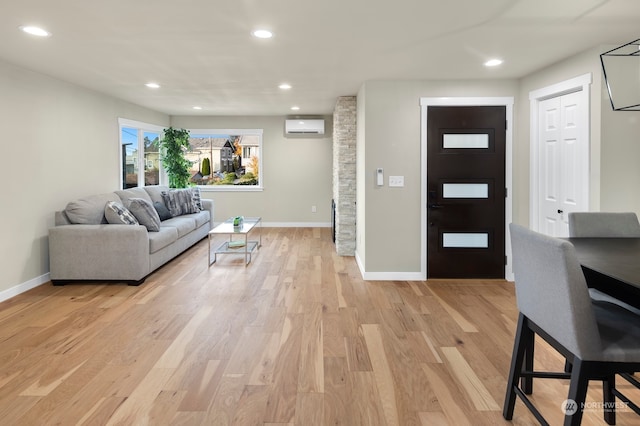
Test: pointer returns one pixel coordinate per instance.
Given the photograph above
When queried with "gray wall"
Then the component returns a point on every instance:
(297, 173)
(620, 157)
(59, 142)
(390, 138)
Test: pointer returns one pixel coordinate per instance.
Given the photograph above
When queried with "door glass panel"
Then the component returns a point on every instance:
(465, 190)
(469, 141)
(465, 240)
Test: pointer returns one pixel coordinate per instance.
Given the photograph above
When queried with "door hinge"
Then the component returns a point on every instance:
(505, 261)
(506, 124)
(506, 194)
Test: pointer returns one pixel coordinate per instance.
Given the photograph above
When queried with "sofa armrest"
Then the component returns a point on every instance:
(208, 205)
(98, 252)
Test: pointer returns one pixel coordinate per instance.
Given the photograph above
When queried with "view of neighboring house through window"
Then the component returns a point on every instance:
(225, 159)
(151, 143)
(140, 153)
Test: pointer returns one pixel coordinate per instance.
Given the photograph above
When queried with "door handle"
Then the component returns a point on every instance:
(560, 211)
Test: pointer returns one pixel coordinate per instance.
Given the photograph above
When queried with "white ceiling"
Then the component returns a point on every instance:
(201, 51)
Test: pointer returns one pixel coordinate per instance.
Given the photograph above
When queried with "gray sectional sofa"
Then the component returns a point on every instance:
(97, 238)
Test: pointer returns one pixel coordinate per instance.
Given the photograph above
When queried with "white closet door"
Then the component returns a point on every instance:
(564, 161)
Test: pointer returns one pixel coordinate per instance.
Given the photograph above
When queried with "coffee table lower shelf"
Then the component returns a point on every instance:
(224, 248)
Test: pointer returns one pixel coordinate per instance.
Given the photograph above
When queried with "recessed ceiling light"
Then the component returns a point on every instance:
(493, 62)
(262, 34)
(295, 108)
(153, 85)
(197, 107)
(285, 86)
(36, 31)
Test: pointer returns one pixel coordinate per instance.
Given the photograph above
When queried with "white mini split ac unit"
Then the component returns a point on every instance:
(304, 126)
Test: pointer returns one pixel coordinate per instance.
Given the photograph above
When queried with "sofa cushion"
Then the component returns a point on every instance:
(117, 214)
(201, 217)
(180, 201)
(145, 213)
(163, 211)
(155, 192)
(127, 194)
(89, 210)
(161, 239)
(184, 224)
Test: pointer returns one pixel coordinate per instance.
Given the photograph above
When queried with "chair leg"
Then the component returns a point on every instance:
(517, 361)
(567, 366)
(609, 399)
(529, 340)
(577, 393)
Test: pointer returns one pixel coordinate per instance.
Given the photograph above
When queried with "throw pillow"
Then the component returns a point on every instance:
(117, 214)
(89, 210)
(180, 201)
(197, 200)
(171, 202)
(163, 211)
(145, 213)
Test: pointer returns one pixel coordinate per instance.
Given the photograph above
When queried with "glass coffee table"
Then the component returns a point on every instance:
(238, 242)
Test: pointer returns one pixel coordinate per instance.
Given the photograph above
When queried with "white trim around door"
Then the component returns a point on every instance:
(425, 103)
(580, 85)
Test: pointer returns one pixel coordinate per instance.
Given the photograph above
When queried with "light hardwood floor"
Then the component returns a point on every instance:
(295, 338)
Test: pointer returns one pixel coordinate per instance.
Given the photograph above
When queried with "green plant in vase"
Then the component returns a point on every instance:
(173, 147)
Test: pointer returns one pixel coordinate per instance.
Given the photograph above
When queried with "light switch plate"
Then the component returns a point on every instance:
(396, 181)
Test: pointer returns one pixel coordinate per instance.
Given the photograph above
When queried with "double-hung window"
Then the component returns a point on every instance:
(139, 153)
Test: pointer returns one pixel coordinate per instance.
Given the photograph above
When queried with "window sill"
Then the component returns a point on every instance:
(230, 188)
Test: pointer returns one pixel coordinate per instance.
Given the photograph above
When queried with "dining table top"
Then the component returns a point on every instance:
(611, 265)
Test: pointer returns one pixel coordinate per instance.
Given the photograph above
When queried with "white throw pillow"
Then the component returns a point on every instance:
(117, 214)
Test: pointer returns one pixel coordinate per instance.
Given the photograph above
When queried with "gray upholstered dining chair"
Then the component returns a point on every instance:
(599, 340)
(604, 225)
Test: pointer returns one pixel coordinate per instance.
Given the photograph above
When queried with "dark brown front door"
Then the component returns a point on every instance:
(466, 191)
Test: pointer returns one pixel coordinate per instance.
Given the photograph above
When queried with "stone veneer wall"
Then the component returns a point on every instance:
(344, 174)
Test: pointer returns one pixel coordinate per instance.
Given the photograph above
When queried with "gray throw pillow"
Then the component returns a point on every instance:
(117, 214)
(180, 201)
(163, 211)
(145, 213)
(89, 210)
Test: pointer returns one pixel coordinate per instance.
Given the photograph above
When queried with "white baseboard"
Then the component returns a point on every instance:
(291, 224)
(296, 224)
(387, 276)
(359, 263)
(21, 288)
(392, 276)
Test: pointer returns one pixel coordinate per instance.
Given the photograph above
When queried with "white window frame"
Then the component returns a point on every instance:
(142, 127)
